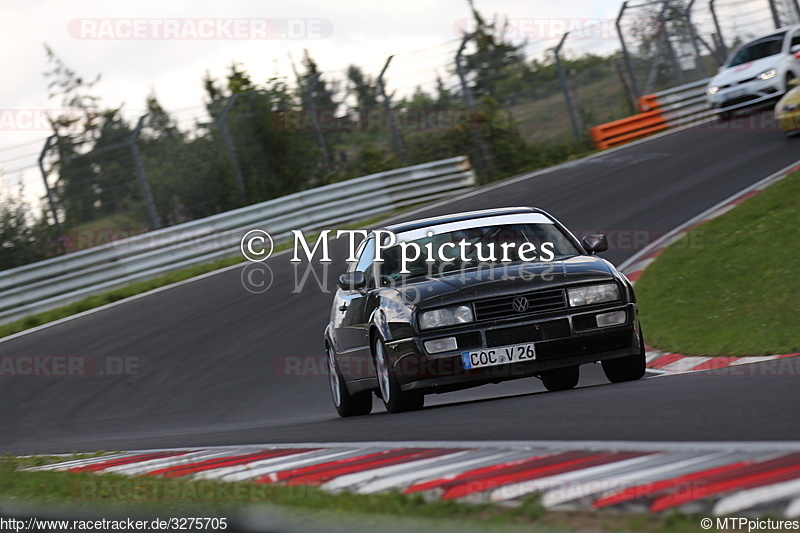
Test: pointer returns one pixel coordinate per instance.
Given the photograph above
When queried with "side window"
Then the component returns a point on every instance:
(365, 261)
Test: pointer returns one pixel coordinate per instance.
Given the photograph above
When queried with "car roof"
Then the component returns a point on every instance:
(780, 32)
(457, 217)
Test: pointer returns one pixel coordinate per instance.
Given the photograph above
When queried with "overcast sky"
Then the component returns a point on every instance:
(150, 46)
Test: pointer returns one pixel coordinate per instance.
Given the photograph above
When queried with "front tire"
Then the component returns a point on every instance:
(346, 404)
(628, 368)
(561, 378)
(394, 398)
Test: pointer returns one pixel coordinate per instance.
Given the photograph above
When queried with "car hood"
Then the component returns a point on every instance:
(745, 71)
(503, 280)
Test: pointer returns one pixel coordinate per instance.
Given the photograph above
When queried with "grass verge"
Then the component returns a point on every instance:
(93, 495)
(730, 286)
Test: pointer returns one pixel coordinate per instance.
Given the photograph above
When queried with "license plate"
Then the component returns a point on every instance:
(502, 355)
(735, 93)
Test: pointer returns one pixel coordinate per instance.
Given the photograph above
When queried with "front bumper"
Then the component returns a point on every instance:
(560, 341)
(745, 95)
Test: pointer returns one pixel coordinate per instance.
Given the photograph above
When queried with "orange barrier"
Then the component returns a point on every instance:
(648, 103)
(629, 129)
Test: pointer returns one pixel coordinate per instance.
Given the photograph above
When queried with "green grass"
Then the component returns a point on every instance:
(93, 495)
(730, 286)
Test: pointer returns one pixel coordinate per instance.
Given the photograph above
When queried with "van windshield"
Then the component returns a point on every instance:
(759, 50)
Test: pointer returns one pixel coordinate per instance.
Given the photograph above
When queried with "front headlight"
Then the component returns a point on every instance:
(790, 107)
(593, 294)
(713, 90)
(449, 316)
(767, 74)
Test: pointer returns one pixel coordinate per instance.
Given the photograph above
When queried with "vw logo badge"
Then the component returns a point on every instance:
(520, 304)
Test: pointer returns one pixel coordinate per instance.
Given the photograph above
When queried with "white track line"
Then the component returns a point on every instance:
(590, 487)
(793, 509)
(437, 472)
(135, 469)
(274, 465)
(749, 498)
(348, 481)
(684, 364)
(518, 490)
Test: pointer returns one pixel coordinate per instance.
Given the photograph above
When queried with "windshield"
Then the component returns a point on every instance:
(758, 50)
(460, 250)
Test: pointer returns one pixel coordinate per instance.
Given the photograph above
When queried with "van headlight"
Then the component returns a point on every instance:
(713, 90)
(593, 294)
(448, 316)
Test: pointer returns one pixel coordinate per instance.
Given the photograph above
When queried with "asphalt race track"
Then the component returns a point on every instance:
(210, 363)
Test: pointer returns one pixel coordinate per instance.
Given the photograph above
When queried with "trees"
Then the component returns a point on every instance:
(272, 138)
(497, 67)
(22, 237)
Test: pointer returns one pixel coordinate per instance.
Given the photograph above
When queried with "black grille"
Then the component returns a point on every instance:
(469, 340)
(538, 302)
(584, 346)
(542, 331)
(738, 100)
(736, 84)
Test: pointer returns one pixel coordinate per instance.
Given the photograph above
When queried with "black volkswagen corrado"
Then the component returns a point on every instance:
(458, 301)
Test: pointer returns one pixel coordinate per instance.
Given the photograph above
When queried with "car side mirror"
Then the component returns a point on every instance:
(794, 49)
(595, 243)
(352, 281)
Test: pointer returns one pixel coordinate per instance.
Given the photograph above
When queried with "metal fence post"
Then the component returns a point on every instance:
(676, 67)
(231, 149)
(391, 117)
(48, 191)
(626, 55)
(776, 17)
(694, 36)
(147, 194)
(573, 116)
(720, 38)
(629, 97)
(486, 161)
(312, 107)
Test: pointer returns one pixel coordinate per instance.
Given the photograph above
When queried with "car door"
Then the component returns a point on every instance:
(351, 312)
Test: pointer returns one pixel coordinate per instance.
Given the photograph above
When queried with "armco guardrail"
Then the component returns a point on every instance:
(660, 111)
(58, 281)
(680, 105)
